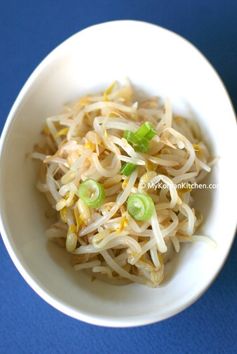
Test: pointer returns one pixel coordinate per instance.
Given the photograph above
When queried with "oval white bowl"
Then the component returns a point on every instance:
(160, 63)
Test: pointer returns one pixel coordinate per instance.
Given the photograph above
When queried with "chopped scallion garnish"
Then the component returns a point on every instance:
(92, 193)
(145, 131)
(140, 139)
(127, 169)
(140, 206)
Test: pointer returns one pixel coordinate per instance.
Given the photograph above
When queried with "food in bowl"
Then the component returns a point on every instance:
(120, 173)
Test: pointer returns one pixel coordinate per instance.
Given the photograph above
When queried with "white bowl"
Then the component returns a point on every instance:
(160, 63)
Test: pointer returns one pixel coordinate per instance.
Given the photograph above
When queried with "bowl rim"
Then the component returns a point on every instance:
(51, 299)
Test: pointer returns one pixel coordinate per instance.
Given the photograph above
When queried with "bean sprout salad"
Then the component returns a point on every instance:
(109, 167)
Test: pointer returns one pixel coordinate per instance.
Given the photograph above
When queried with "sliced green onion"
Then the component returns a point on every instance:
(92, 193)
(151, 134)
(145, 131)
(140, 206)
(141, 145)
(127, 169)
(131, 137)
(140, 139)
